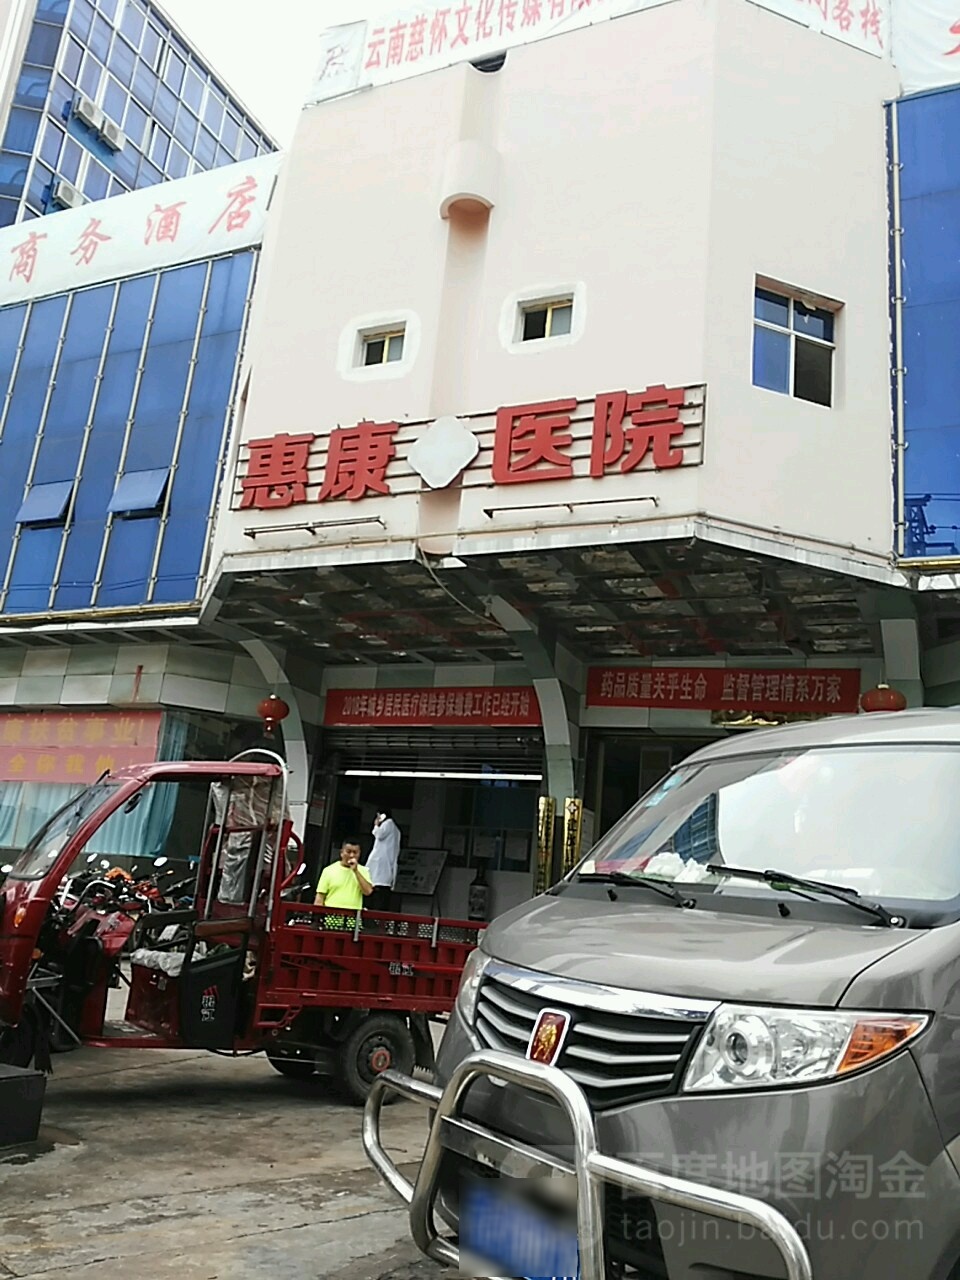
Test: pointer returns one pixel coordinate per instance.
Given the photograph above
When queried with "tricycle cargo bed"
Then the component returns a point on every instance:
(328, 958)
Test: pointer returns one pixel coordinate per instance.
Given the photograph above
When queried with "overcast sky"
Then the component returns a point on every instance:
(267, 52)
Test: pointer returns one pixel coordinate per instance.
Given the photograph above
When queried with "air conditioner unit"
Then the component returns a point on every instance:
(86, 109)
(66, 196)
(112, 135)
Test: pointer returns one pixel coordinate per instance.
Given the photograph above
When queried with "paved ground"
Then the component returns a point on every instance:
(191, 1166)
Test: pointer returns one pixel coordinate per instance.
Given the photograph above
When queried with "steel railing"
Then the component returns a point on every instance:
(591, 1168)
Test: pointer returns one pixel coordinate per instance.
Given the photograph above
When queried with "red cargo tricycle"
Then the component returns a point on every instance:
(229, 960)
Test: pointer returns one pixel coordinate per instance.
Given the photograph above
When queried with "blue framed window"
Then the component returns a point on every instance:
(53, 10)
(101, 33)
(114, 100)
(51, 144)
(8, 212)
(70, 159)
(38, 192)
(793, 347)
(116, 188)
(96, 182)
(185, 130)
(32, 86)
(46, 503)
(174, 70)
(248, 148)
(90, 76)
(22, 129)
(13, 174)
(159, 146)
(132, 22)
(139, 493)
(165, 106)
(61, 99)
(43, 45)
(109, 7)
(148, 175)
(81, 19)
(177, 161)
(125, 166)
(151, 47)
(193, 90)
(135, 123)
(122, 61)
(206, 150)
(70, 62)
(230, 134)
(144, 84)
(213, 112)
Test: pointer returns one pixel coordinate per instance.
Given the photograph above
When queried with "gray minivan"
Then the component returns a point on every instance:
(727, 1045)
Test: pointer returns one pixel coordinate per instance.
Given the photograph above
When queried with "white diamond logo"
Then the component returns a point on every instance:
(443, 451)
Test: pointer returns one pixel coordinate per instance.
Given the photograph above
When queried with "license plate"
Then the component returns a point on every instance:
(510, 1233)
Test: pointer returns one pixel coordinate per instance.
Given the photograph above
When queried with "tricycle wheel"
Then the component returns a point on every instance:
(379, 1042)
(292, 1068)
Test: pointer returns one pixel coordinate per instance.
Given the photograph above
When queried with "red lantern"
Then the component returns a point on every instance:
(883, 698)
(271, 711)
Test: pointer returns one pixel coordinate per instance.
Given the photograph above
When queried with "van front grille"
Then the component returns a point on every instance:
(617, 1059)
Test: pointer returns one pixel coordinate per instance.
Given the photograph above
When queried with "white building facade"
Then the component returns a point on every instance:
(565, 428)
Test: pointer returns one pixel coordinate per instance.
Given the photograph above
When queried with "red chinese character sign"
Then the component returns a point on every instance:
(75, 747)
(195, 218)
(421, 708)
(804, 690)
(432, 34)
(656, 429)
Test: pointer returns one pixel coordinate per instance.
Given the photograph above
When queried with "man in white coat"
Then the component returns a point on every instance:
(382, 862)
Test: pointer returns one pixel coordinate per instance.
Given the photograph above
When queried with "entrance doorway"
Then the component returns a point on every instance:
(473, 795)
(623, 767)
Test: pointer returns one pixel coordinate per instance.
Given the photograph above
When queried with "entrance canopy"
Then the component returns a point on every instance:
(619, 601)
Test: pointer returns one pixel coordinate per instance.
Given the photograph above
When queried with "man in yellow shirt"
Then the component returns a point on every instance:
(345, 883)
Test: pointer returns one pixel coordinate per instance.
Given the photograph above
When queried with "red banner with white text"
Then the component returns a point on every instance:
(811, 691)
(422, 708)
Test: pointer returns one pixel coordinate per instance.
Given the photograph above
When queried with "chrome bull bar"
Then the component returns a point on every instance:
(591, 1168)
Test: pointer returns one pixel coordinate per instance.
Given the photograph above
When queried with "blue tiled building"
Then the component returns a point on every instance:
(106, 96)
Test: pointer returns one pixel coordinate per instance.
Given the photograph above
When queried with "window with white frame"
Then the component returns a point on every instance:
(793, 346)
(384, 347)
(546, 319)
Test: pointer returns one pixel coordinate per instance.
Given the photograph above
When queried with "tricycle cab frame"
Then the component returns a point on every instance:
(320, 989)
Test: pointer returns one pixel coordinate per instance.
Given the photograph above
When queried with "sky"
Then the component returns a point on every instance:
(269, 64)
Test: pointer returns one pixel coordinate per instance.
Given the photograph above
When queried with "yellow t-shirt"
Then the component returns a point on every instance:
(340, 886)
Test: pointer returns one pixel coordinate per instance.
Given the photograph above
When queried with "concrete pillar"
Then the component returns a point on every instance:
(560, 730)
(294, 739)
(894, 615)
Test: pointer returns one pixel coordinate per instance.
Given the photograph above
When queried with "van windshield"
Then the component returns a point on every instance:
(882, 820)
(47, 845)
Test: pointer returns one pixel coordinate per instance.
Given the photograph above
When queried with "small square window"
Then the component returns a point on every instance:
(45, 503)
(383, 348)
(139, 493)
(547, 320)
(793, 347)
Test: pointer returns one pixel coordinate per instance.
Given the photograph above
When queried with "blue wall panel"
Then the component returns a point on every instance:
(147, 411)
(928, 130)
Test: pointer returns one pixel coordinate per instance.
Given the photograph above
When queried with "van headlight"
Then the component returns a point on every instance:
(470, 980)
(745, 1047)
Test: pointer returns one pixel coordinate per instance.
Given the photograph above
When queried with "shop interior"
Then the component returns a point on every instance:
(485, 824)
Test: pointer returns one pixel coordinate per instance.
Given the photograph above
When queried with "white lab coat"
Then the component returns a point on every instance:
(382, 863)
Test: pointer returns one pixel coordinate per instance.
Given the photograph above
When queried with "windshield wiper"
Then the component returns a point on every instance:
(663, 887)
(800, 885)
